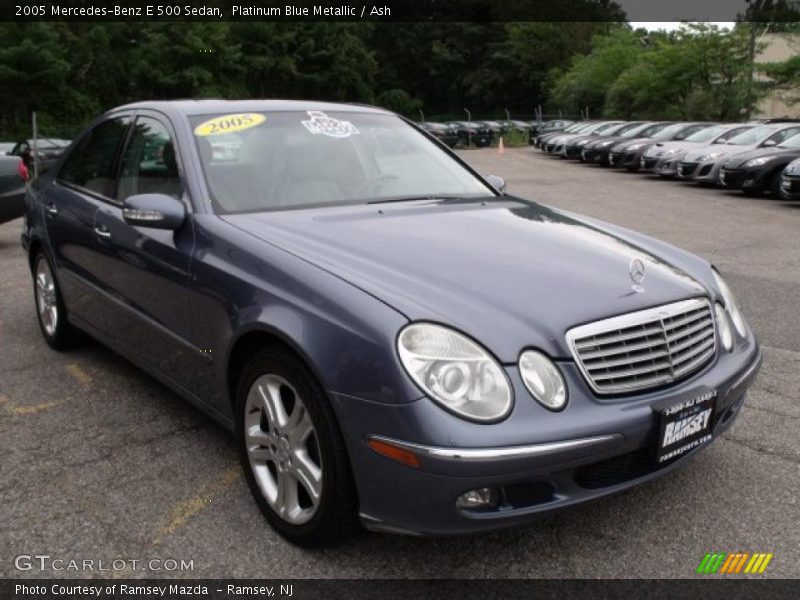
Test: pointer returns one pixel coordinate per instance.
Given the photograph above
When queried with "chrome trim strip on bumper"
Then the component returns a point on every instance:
(502, 453)
(750, 373)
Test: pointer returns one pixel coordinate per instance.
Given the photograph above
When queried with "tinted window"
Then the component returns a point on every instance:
(90, 163)
(149, 164)
(730, 134)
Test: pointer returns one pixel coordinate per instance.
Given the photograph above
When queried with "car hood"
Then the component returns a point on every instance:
(659, 148)
(787, 154)
(510, 273)
(626, 143)
(724, 150)
(793, 168)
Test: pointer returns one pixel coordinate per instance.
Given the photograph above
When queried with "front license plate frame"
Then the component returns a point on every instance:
(685, 425)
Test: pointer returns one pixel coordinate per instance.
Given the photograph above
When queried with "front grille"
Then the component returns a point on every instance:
(645, 349)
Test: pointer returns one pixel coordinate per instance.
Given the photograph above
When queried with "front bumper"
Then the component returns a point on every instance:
(626, 159)
(747, 180)
(701, 172)
(537, 461)
(790, 187)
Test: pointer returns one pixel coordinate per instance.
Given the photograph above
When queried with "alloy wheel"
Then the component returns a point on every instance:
(283, 449)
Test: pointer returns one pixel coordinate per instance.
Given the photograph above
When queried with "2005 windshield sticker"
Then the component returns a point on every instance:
(321, 124)
(229, 124)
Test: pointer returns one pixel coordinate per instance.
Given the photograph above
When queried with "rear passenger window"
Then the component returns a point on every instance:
(149, 164)
(91, 163)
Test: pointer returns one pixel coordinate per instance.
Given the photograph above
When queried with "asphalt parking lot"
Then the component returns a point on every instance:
(99, 461)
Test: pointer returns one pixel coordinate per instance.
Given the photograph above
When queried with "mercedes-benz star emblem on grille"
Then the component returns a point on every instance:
(637, 273)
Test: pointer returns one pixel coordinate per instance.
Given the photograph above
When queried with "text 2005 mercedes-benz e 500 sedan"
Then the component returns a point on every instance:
(393, 339)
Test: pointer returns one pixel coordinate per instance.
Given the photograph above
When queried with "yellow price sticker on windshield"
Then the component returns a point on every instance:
(229, 124)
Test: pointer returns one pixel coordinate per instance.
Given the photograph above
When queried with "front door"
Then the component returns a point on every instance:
(147, 270)
(70, 205)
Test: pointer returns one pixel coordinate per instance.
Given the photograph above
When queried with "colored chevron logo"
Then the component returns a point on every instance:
(734, 563)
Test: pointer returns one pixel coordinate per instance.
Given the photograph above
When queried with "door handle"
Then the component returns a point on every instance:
(51, 210)
(103, 232)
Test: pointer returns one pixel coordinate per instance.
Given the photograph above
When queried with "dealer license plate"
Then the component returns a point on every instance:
(685, 426)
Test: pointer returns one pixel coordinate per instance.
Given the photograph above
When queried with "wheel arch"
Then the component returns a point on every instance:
(253, 339)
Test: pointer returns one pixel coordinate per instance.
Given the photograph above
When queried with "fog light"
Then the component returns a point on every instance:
(477, 499)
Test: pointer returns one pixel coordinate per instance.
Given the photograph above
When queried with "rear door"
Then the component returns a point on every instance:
(147, 270)
(83, 183)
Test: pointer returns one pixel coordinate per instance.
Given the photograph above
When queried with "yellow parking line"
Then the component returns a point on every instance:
(29, 410)
(15, 409)
(79, 374)
(186, 509)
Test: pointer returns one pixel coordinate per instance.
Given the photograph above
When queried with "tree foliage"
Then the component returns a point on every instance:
(698, 72)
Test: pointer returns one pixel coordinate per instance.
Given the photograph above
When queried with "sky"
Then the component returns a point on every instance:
(673, 25)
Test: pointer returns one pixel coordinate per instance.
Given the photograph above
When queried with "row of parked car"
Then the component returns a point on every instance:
(755, 158)
(476, 133)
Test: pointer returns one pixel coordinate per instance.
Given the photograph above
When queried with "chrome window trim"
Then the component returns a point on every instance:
(641, 317)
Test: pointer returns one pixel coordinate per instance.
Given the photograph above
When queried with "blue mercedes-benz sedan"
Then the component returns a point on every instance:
(394, 340)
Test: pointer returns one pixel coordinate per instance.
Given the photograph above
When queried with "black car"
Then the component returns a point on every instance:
(447, 134)
(597, 151)
(539, 128)
(790, 181)
(629, 154)
(759, 170)
(473, 133)
(575, 146)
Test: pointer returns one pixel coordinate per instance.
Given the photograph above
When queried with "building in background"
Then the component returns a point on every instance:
(778, 47)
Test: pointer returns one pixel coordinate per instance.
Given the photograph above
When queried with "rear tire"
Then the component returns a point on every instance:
(292, 452)
(50, 310)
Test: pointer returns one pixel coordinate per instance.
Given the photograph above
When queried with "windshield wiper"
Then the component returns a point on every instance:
(415, 198)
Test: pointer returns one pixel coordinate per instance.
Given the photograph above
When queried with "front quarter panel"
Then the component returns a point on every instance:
(243, 284)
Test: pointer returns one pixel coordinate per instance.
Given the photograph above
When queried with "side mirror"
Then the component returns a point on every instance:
(768, 143)
(154, 210)
(496, 182)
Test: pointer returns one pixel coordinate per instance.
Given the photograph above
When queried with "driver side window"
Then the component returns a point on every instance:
(149, 165)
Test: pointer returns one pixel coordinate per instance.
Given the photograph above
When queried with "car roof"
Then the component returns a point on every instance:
(212, 106)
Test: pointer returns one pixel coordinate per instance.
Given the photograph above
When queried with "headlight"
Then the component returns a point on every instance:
(583, 142)
(634, 147)
(712, 156)
(543, 379)
(455, 371)
(757, 162)
(731, 306)
(607, 143)
(724, 326)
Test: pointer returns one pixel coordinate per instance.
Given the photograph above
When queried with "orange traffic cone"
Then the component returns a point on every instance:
(501, 149)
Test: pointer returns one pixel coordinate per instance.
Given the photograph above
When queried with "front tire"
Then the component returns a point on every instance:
(292, 451)
(50, 310)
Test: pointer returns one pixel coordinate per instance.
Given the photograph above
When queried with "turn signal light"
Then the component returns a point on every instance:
(397, 454)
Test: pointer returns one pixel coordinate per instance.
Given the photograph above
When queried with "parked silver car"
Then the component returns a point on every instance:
(703, 165)
(663, 158)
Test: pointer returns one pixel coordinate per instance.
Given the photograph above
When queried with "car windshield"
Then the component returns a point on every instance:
(605, 128)
(751, 136)
(281, 160)
(707, 134)
(634, 130)
(618, 128)
(792, 142)
(670, 131)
